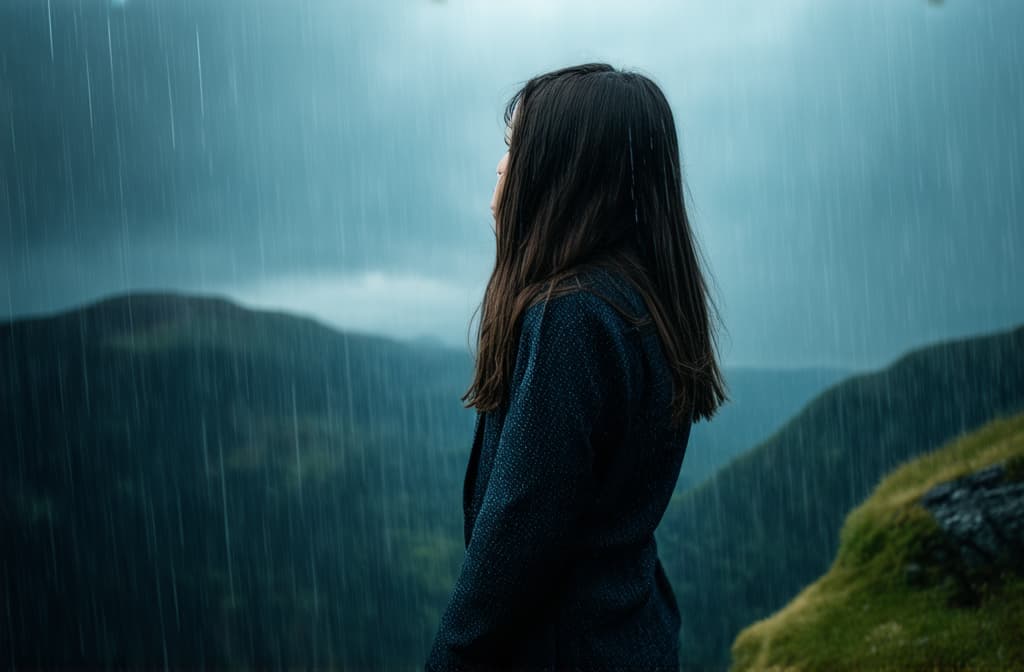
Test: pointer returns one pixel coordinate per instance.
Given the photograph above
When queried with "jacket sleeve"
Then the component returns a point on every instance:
(570, 368)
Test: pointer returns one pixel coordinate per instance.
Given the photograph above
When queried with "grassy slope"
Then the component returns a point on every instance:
(863, 615)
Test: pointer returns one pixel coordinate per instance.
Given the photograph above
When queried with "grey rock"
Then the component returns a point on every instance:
(982, 515)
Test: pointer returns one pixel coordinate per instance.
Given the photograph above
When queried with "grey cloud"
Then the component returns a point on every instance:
(853, 166)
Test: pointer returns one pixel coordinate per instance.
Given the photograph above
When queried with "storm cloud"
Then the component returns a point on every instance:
(853, 168)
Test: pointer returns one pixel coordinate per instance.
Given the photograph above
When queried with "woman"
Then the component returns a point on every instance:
(596, 354)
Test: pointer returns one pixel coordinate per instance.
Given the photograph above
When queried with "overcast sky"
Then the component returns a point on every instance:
(856, 167)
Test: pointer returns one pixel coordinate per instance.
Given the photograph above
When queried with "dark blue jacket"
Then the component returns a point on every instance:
(565, 485)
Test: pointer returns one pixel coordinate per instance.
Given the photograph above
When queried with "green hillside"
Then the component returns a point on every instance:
(747, 540)
(865, 614)
(187, 482)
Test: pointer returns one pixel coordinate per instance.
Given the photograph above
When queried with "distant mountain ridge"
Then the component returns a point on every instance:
(746, 540)
(762, 400)
(324, 364)
(191, 478)
(188, 481)
(296, 346)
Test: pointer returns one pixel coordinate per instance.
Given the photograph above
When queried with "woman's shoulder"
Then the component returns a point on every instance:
(576, 310)
(595, 297)
(576, 338)
(587, 318)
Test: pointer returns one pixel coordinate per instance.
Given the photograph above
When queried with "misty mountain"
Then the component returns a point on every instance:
(762, 400)
(188, 477)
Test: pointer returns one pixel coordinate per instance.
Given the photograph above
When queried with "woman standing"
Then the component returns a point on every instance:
(596, 353)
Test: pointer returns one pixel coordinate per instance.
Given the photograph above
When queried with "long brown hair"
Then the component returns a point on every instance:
(593, 180)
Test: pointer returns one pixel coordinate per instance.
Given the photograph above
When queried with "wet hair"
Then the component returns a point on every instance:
(594, 180)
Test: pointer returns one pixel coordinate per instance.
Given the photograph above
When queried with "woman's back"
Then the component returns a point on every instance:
(564, 570)
(627, 611)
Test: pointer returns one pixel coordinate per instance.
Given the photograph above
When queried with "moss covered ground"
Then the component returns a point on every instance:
(864, 613)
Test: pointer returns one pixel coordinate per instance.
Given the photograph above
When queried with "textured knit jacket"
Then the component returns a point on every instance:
(565, 485)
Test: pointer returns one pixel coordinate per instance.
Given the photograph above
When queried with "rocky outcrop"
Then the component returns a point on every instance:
(981, 521)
